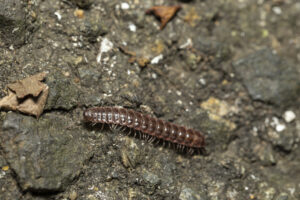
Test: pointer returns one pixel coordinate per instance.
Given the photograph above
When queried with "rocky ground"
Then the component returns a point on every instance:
(228, 68)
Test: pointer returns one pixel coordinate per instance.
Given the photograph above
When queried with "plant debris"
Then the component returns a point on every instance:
(140, 60)
(164, 13)
(28, 95)
(79, 13)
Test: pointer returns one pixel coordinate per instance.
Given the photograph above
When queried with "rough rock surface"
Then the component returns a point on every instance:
(203, 70)
(44, 155)
(268, 78)
(16, 22)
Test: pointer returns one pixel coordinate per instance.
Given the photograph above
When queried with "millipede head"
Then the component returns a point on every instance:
(87, 115)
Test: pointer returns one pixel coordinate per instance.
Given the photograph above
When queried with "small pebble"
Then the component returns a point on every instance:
(125, 6)
(132, 27)
(79, 13)
(156, 59)
(280, 127)
(5, 168)
(58, 15)
(73, 195)
(289, 116)
(277, 10)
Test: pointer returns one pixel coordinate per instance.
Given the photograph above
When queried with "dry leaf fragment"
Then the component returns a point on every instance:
(141, 61)
(34, 106)
(28, 86)
(9, 102)
(126, 51)
(164, 13)
(28, 95)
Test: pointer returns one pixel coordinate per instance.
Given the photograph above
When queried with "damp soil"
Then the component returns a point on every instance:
(229, 69)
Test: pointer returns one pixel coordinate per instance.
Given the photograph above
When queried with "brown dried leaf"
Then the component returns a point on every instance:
(132, 59)
(29, 86)
(28, 95)
(34, 106)
(126, 51)
(142, 61)
(164, 13)
(9, 102)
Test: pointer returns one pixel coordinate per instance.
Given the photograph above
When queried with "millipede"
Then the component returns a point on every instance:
(182, 137)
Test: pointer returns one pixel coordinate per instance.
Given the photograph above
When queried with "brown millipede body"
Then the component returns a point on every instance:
(157, 128)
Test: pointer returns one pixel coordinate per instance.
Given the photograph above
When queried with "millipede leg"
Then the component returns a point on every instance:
(127, 133)
(180, 148)
(156, 143)
(118, 128)
(152, 139)
(190, 151)
(147, 137)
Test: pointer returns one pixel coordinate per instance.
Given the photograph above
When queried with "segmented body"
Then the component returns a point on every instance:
(146, 124)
